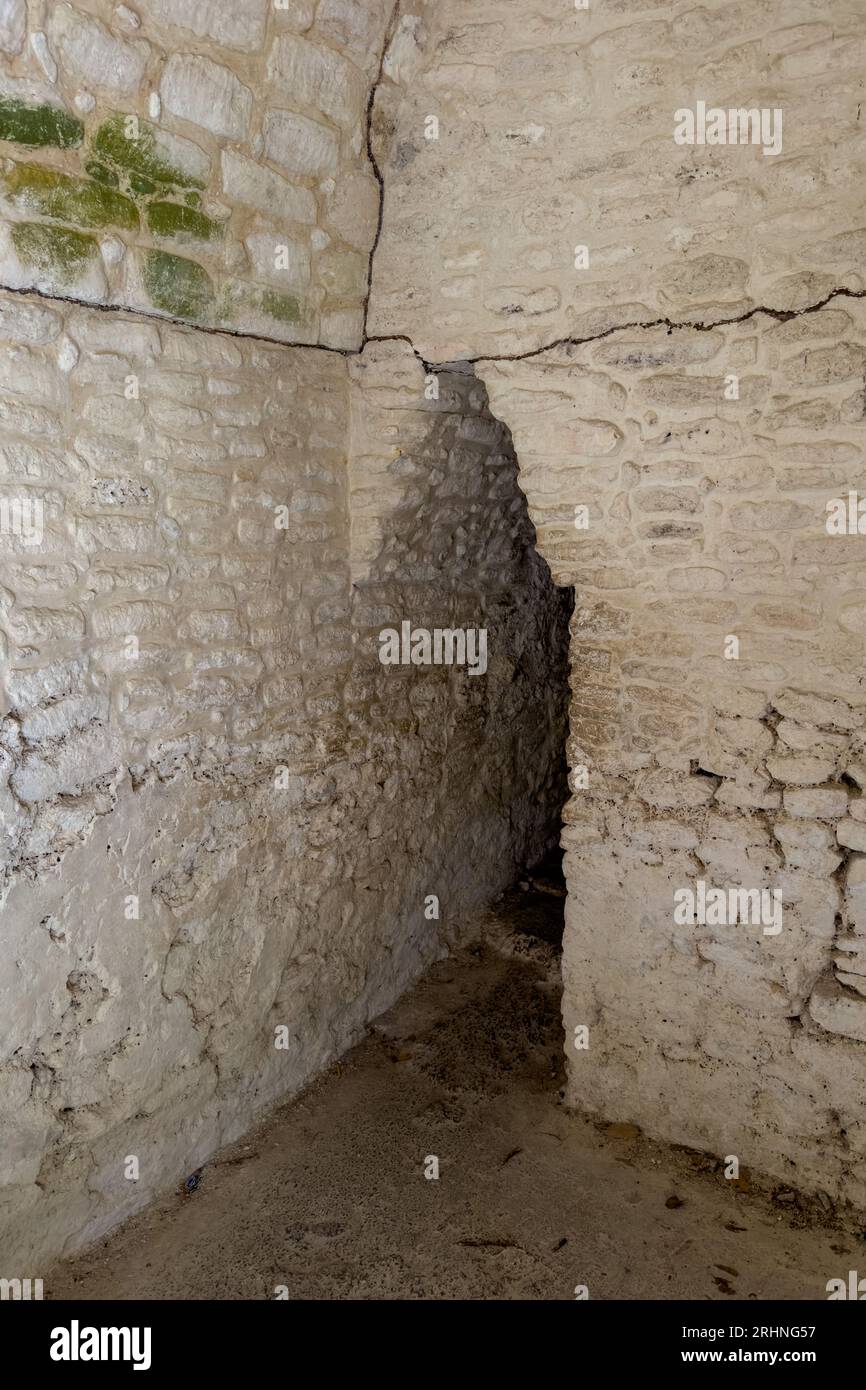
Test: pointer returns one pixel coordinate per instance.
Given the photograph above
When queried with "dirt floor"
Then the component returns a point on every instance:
(328, 1198)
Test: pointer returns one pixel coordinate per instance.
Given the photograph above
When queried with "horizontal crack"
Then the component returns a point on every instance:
(182, 323)
(781, 315)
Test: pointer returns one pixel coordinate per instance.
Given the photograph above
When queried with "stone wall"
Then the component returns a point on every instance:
(718, 720)
(700, 406)
(555, 132)
(222, 816)
(200, 159)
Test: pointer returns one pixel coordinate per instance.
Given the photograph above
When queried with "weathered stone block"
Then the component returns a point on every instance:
(245, 181)
(838, 1009)
(816, 803)
(208, 94)
(354, 24)
(65, 198)
(178, 286)
(300, 145)
(13, 25)
(318, 77)
(240, 25)
(353, 209)
(30, 123)
(808, 845)
(799, 769)
(91, 53)
(852, 834)
(280, 259)
(153, 154)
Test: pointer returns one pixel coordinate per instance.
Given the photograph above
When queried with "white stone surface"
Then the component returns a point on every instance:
(281, 260)
(315, 76)
(87, 283)
(838, 1010)
(295, 14)
(706, 520)
(91, 53)
(354, 25)
(257, 186)
(13, 25)
(43, 55)
(232, 95)
(208, 94)
(183, 154)
(239, 25)
(300, 145)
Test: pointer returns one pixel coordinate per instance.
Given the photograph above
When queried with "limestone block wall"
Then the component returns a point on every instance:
(699, 408)
(718, 718)
(200, 159)
(222, 816)
(555, 131)
(221, 813)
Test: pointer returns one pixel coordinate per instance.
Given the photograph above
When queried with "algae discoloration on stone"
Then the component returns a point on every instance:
(186, 224)
(179, 287)
(38, 124)
(67, 198)
(283, 307)
(139, 184)
(58, 250)
(139, 155)
(101, 173)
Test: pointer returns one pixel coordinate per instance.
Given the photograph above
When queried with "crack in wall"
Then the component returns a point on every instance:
(672, 325)
(663, 321)
(374, 163)
(223, 773)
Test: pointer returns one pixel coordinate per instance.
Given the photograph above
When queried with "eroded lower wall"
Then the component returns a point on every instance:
(221, 814)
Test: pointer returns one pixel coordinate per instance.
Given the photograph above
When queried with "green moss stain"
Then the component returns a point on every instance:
(141, 185)
(59, 250)
(175, 220)
(140, 156)
(101, 173)
(69, 199)
(38, 125)
(192, 200)
(177, 286)
(283, 307)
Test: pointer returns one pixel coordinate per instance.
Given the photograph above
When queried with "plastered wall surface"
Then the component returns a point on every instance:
(222, 815)
(679, 449)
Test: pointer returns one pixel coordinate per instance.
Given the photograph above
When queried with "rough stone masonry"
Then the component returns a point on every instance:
(675, 334)
(230, 836)
(262, 266)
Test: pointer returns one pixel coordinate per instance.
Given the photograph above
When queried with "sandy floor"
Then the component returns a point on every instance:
(328, 1198)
